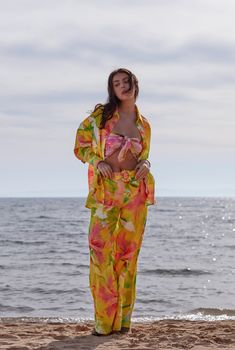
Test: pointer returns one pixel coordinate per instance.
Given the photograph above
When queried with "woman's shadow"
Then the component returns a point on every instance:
(82, 342)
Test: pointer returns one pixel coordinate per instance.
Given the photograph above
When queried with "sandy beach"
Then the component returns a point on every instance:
(164, 334)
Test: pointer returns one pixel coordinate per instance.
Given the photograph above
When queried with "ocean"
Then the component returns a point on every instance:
(186, 266)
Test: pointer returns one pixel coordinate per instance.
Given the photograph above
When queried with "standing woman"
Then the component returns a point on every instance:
(114, 139)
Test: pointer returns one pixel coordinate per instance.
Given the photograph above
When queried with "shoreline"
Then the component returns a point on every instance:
(199, 314)
(162, 334)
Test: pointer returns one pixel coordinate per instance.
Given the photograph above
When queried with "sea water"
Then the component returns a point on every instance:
(186, 266)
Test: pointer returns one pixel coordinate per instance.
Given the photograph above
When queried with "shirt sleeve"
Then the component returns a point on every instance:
(83, 149)
(146, 142)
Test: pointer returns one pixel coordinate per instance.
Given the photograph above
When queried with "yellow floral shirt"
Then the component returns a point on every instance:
(90, 145)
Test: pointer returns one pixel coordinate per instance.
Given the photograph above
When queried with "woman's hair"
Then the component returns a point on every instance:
(112, 100)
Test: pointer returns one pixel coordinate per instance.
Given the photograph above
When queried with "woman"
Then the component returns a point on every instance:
(115, 141)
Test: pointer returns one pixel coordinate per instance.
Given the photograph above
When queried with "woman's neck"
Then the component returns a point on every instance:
(127, 108)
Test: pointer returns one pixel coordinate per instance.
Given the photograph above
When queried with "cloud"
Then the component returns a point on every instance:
(194, 50)
(55, 60)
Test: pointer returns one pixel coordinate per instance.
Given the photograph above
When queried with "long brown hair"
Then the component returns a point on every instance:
(113, 101)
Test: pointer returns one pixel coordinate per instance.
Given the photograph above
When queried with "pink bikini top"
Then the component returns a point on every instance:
(116, 141)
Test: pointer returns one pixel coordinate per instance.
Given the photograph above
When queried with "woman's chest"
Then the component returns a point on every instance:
(127, 128)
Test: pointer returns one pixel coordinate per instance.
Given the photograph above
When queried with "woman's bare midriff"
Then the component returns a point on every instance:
(129, 162)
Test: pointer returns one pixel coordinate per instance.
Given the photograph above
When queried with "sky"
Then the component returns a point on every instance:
(55, 59)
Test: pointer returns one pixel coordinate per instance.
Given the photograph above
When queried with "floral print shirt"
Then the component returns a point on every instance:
(90, 147)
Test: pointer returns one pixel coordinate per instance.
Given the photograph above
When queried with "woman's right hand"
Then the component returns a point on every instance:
(105, 169)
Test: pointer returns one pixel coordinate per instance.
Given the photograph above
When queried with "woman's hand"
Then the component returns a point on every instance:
(105, 169)
(142, 169)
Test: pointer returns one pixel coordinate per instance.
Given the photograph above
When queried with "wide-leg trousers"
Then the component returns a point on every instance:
(115, 236)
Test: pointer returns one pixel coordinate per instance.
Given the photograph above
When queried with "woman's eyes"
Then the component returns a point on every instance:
(126, 82)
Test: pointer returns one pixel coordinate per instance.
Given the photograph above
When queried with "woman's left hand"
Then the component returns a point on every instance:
(142, 169)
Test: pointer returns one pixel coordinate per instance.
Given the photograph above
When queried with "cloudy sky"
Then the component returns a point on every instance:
(55, 60)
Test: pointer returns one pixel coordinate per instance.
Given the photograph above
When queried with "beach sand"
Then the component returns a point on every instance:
(164, 334)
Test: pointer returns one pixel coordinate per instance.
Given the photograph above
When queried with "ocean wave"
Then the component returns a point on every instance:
(9, 308)
(175, 272)
(40, 290)
(213, 311)
(22, 242)
(199, 316)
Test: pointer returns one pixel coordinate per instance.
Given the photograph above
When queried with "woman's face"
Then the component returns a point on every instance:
(121, 85)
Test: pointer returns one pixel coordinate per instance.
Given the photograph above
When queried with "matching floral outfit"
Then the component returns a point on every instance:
(118, 218)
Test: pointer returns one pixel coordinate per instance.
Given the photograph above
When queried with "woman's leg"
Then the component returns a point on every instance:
(129, 238)
(103, 279)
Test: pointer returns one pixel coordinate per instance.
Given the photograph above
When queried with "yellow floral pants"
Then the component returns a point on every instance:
(115, 236)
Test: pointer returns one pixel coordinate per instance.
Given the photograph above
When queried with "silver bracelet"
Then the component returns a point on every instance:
(146, 160)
